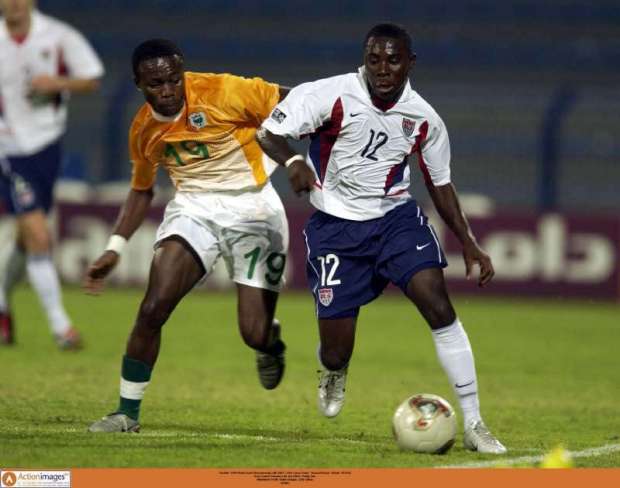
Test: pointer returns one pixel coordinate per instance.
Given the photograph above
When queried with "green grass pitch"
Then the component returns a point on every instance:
(548, 374)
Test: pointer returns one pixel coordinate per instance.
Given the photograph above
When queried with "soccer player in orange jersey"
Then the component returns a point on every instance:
(201, 127)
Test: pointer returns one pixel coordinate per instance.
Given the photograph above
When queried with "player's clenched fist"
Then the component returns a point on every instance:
(97, 272)
(301, 176)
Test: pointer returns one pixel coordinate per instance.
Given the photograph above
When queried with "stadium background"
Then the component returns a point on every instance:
(529, 91)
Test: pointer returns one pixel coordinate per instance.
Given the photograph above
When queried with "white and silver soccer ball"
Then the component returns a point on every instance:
(424, 423)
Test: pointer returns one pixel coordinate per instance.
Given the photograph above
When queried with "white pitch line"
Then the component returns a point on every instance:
(262, 438)
(591, 452)
(241, 437)
(244, 437)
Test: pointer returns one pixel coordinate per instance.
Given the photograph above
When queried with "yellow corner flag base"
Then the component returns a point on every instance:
(557, 458)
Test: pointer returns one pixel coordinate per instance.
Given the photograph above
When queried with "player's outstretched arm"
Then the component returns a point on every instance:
(447, 203)
(132, 214)
(50, 85)
(277, 148)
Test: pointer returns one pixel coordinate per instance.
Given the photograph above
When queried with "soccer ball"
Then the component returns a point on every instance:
(424, 423)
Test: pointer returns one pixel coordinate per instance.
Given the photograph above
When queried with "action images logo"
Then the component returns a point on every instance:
(8, 478)
(42, 479)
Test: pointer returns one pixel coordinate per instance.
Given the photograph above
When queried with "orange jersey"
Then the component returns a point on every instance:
(210, 146)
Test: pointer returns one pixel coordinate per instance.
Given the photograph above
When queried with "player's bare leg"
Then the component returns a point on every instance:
(335, 351)
(261, 331)
(175, 270)
(427, 290)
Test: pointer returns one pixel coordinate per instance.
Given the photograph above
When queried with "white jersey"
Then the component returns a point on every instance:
(358, 151)
(27, 123)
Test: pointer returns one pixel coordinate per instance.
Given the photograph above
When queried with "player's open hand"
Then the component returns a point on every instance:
(97, 272)
(473, 254)
(301, 177)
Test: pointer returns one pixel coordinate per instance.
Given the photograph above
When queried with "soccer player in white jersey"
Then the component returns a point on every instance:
(42, 61)
(368, 230)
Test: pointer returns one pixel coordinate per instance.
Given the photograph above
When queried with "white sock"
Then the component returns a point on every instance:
(456, 358)
(13, 273)
(44, 279)
(132, 390)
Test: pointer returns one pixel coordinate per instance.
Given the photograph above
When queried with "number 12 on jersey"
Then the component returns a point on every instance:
(374, 143)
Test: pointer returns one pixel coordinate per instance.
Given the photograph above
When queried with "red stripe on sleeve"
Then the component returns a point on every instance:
(417, 148)
(61, 66)
(329, 137)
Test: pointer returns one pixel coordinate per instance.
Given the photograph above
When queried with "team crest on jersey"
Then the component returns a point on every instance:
(326, 295)
(408, 126)
(197, 120)
(278, 115)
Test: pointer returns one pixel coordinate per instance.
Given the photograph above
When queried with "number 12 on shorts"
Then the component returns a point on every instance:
(329, 265)
(275, 265)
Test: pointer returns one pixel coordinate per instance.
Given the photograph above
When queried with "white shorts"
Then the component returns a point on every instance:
(248, 229)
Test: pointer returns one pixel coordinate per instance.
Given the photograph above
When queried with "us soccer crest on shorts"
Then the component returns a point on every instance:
(408, 126)
(24, 194)
(326, 296)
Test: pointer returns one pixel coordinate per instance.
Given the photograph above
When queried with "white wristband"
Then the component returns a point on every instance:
(292, 159)
(116, 243)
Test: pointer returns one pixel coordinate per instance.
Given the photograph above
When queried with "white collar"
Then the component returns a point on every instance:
(164, 118)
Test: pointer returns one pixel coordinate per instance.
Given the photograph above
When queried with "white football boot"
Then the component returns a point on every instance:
(115, 422)
(331, 391)
(478, 438)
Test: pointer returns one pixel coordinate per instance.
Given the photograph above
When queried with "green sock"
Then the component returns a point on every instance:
(135, 377)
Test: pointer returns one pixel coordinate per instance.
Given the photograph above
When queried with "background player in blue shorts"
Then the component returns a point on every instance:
(42, 61)
(368, 231)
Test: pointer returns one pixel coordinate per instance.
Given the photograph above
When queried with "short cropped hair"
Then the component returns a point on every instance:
(394, 31)
(153, 48)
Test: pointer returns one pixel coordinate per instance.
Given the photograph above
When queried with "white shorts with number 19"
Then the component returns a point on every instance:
(248, 229)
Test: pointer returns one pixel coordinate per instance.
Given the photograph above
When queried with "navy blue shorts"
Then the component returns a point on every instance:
(350, 263)
(27, 183)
